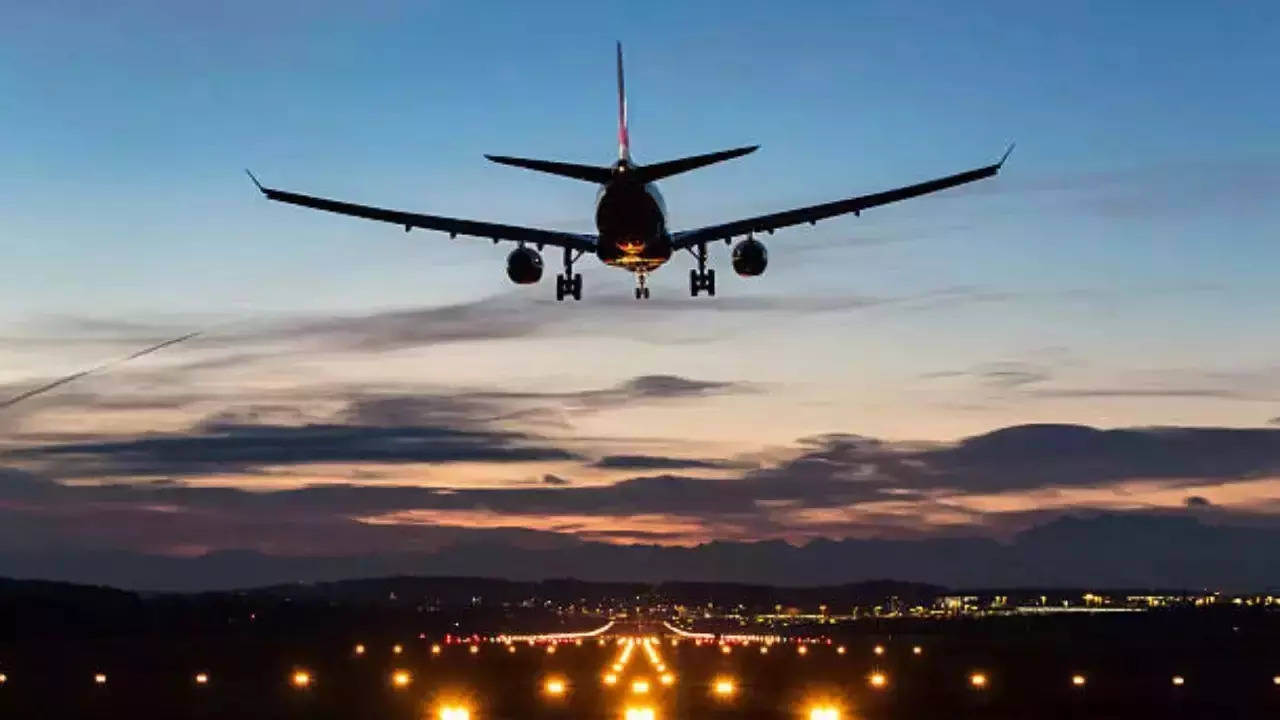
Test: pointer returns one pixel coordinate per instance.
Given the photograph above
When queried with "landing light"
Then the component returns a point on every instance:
(726, 649)
(5, 678)
(511, 649)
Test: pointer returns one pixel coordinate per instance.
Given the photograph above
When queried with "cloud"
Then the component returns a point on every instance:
(550, 479)
(655, 462)
(1196, 501)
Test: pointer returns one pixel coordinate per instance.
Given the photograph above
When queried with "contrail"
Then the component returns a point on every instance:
(105, 366)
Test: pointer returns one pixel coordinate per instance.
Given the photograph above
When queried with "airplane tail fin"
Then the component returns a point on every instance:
(624, 138)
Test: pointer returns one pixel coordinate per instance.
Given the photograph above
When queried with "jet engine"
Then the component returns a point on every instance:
(750, 258)
(524, 266)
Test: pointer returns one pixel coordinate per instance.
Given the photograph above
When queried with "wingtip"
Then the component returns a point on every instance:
(1005, 156)
(255, 181)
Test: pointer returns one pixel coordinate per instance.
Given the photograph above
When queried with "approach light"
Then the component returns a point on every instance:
(824, 712)
(1179, 681)
(511, 649)
(202, 678)
(359, 649)
(551, 649)
(1078, 680)
(840, 650)
(878, 650)
(554, 687)
(639, 713)
(400, 679)
(640, 687)
(435, 649)
(978, 680)
(474, 650)
(917, 650)
(1274, 681)
(397, 649)
(100, 679)
(724, 687)
(301, 679)
(454, 712)
(725, 649)
(878, 680)
(764, 649)
(802, 650)
(3, 678)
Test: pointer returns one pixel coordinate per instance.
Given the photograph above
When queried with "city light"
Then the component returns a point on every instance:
(301, 679)
(724, 687)
(610, 679)
(202, 678)
(1078, 680)
(824, 712)
(878, 680)
(555, 687)
(100, 679)
(978, 680)
(1179, 681)
(400, 679)
(640, 687)
(359, 649)
(639, 713)
(454, 712)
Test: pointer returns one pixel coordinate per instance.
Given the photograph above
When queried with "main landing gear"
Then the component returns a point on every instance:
(702, 278)
(568, 283)
(642, 291)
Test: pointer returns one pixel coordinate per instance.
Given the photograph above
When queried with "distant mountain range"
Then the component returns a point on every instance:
(1108, 550)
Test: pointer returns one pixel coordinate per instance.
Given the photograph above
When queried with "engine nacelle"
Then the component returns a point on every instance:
(524, 266)
(750, 258)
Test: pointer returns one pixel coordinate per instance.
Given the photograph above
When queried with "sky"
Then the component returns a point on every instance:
(1118, 274)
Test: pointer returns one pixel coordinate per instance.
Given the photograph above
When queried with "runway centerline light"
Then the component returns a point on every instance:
(435, 649)
(639, 713)
(100, 679)
(3, 678)
(1179, 681)
(640, 687)
(301, 679)
(725, 649)
(397, 649)
(724, 687)
(1078, 680)
(802, 650)
(764, 649)
(840, 650)
(511, 649)
(551, 649)
(400, 679)
(202, 678)
(667, 679)
(610, 679)
(917, 650)
(359, 649)
(824, 712)
(475, 650)
(1274, 681)
(878, 680)
(978, 680)
(555, 687)
(879, 649)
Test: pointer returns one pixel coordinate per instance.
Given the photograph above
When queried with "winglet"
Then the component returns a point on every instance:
(1005, 156)
(255, 181)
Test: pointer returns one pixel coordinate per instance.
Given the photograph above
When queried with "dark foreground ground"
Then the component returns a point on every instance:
(1228, 660)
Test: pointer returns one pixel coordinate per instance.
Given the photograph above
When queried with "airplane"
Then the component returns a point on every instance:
(631, 217)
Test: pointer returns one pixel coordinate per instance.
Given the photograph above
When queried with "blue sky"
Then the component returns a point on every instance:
(1119, 272)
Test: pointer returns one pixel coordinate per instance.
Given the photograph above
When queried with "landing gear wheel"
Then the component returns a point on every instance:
(560, 288)
(711, 283)
(693, 283)
(576, 289)
(638, 293)
(646, 293)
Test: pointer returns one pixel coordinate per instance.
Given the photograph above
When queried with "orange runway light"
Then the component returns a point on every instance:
(724, 688)
(202, 678)
(667, 679)
(1179, 681)
(454, 712)
(400, 679)
(642, 713)
(878, 680)
(1078, 680)
(100, 679)
(978, 680)
(824, 712)
(640, 687)
(555, 687)
(301, 679)
(610, 679)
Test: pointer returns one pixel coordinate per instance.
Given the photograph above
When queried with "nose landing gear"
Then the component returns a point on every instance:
(642, 291)
(568, 283)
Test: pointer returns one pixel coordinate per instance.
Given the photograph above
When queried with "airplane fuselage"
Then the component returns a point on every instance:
(631, 220)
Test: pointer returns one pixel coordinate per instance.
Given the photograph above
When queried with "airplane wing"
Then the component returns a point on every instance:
(453, 226)
(814, 213)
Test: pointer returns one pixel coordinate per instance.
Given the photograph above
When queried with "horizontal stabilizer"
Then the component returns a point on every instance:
(657, 171)
(590, 173)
